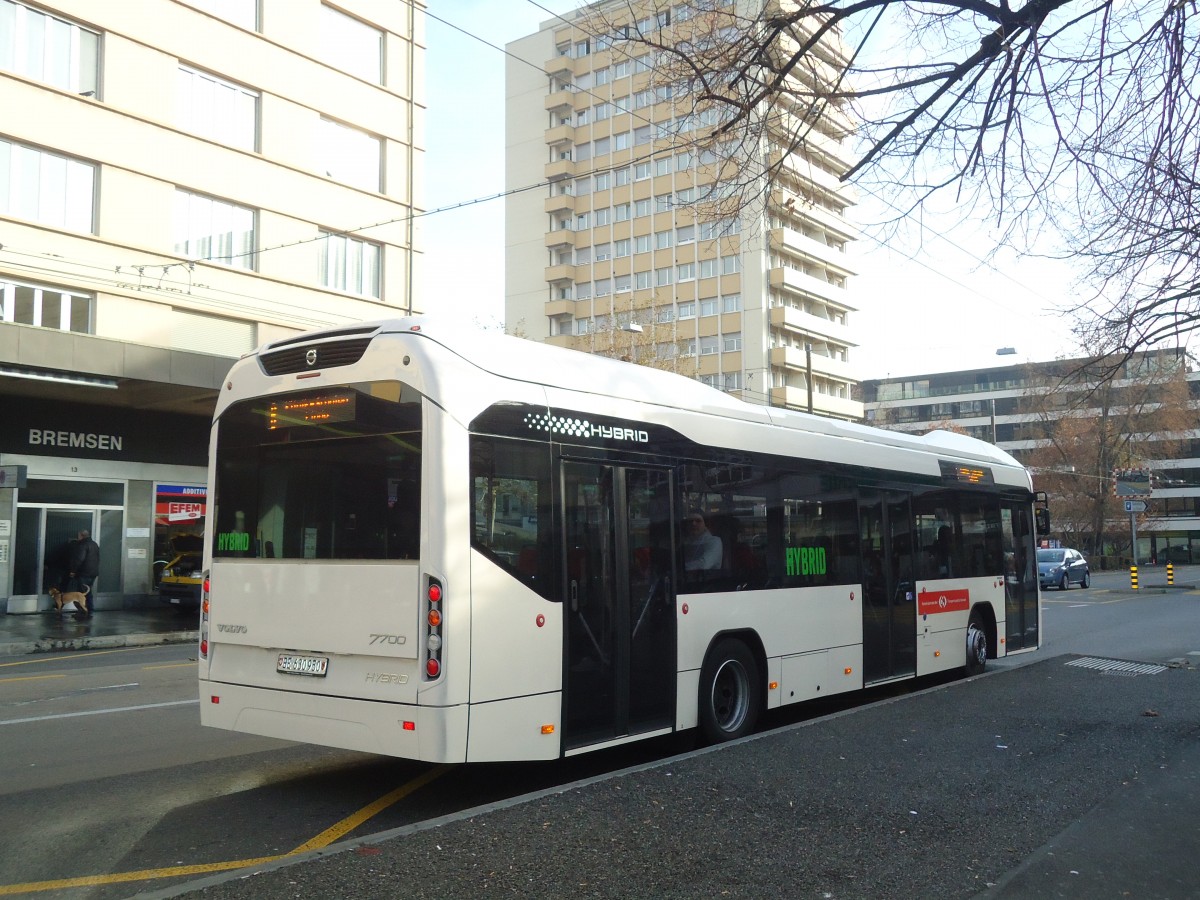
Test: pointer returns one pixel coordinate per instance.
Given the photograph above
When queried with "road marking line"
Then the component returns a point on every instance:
(58, 657)
(324, 839)
(29, 678)
(191, 664)
(348, 824)
(97, 712)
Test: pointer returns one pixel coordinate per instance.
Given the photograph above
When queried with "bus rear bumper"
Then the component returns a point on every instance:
(429, 734)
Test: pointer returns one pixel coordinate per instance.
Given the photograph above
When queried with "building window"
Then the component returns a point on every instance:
(733, 381)
(687, 310)
(603, 287)
(662, 203)
(662, 165)
(662, 277)
(581, 221)
(731, 265)
(685, 272)
(621, 141)
(621, 177)
(641, 208)
(662, 240)
(602, 180)
(48, 49)
(350, 264)
(710, 345)
(602, 76)
(732, 342)
(685, 234)
(600, 216)
(641, 243)
(213, 230)
(621, 248)
(46, 188)
(352, 45)
(708, 268)
(600, 146)
(349, 155)
(243, 13)
(641, 280)
(708, 306)
(583, 290)
(211, 107)
(603, 252)
(29, 303)
(641, 171)
(621, 212)
(731, 303)
(622, 283)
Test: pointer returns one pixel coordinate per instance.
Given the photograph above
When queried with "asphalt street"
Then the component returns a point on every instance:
(1047, 780)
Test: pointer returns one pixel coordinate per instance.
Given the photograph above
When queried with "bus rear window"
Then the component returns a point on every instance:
(323, 474)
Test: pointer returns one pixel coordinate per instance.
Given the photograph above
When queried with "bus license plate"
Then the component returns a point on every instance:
(303, 665)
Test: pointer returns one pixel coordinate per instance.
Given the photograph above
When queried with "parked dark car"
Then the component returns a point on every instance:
(1063, 567)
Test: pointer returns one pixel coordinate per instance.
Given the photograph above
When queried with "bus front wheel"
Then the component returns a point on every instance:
(730, 695)
(977, 648)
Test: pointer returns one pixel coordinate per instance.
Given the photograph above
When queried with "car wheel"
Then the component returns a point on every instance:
(730, 698)
(1087, 580)
(977, 649)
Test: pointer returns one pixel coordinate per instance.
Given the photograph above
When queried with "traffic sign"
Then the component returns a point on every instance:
(1135, 506)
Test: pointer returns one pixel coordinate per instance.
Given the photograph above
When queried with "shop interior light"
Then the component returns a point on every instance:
(58, 377)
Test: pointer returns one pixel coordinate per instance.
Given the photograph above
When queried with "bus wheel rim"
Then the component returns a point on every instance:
(730, 695)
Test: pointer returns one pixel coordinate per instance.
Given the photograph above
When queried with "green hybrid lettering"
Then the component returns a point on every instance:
(806, 561)
(233, 540)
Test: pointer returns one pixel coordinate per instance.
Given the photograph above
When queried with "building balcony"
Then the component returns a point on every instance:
(560, 67)
(794, 360)
(557, 308)
(826, 218)
(797, 398)
(804, 171)
(797, 244)
(557, 240)
(795, 320)
(560, 340)
(560, 203)
(560, 169)
(787, 279)
(560, 273)
(560, 134)
(560, 101)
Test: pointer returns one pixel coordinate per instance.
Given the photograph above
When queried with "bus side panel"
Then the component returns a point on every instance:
(790, 623)
(437, 735)
(517, 637)
(943, 612)
(513, 729)
(787, 621)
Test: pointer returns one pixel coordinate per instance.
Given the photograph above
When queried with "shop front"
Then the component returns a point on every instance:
(133, 478)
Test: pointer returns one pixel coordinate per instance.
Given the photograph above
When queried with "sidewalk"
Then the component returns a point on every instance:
(51, 631)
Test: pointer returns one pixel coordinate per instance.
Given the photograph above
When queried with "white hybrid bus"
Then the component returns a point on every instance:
(453, 546)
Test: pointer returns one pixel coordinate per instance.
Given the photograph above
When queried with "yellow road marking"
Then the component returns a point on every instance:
(181, 665)
(56, 657)
(324, 839)
(29, 678)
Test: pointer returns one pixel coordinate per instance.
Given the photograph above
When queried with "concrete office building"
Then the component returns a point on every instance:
(610, 239)
(180, 181)
(999, 405)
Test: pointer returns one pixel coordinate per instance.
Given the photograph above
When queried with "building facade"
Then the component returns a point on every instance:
(180, 181)
(1016, 407)
(606, 234)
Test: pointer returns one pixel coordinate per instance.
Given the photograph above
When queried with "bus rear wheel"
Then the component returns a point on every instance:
(730, 695)
(977, 648)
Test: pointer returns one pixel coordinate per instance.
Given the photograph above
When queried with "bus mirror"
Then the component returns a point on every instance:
(1041, 517)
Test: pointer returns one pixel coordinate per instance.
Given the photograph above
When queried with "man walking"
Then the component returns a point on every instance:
(85, 565)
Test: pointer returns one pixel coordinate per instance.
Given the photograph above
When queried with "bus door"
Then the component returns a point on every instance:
(888, 596)
(1020, 576)
(620, 616)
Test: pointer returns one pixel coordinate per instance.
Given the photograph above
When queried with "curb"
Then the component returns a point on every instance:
(24, 648)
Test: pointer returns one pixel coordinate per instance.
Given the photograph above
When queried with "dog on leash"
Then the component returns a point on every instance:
(62, 598)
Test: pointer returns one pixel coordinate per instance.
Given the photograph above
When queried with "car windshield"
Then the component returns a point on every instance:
(1051, 556)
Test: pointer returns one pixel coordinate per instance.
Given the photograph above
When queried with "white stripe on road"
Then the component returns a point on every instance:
(97, 712)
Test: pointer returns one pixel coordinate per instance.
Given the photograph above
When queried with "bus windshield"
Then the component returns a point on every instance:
(323, 474)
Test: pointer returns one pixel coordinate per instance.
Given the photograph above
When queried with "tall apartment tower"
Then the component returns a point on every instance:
(604, 234)
(180, 181)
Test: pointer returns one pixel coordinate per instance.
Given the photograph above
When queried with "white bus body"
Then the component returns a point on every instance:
(457, 547)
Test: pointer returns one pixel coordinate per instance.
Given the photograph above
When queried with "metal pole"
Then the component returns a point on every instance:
(1133, 537)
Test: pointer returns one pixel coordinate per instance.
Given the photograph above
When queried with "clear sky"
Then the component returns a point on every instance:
(927, 303)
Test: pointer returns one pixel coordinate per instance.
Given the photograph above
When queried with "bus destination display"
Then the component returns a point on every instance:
(967, 474)
(325, 408)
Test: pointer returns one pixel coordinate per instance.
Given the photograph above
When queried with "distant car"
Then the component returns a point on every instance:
(1061, 568)
(182, 578)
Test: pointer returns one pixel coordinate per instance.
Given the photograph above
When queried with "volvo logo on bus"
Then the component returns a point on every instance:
(311, 356)
(582, 428)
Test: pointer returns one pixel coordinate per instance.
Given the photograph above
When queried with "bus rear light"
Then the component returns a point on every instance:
(547, 729)
(204, 648)
(409, 726)
(214, 699)
(434, 594)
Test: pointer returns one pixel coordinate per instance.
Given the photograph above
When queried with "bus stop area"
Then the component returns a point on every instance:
(1061, 777)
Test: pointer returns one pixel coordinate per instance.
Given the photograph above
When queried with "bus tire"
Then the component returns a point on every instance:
(977, 648)
(730, 695)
